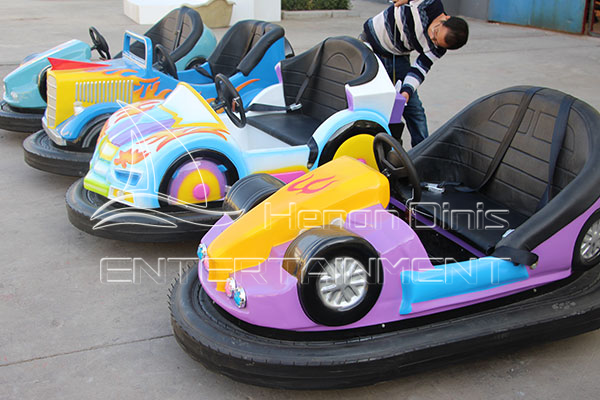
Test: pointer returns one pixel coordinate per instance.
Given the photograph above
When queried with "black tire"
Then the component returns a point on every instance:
(316, 250)
(20, 120)
(250, 191)
(177, 224)
(343, 359)
(42, 153)
(42, 83)
(91, 131)
(579, 261)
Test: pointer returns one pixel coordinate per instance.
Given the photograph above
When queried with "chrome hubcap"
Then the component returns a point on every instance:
(343, 284)
(590, 247)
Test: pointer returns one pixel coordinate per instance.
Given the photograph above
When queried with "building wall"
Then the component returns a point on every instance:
(467, 8)
(560, 15)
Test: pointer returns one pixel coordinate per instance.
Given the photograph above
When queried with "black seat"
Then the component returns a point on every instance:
(243, 46)
(178, 31)
(294, 129)
(343, 60)
(462, 149)
(452, 211)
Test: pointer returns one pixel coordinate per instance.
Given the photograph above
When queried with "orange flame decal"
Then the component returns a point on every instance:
(310, 187)
(148, 88)
(130, 157)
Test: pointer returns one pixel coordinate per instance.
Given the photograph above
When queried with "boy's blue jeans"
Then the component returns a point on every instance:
(414, 113)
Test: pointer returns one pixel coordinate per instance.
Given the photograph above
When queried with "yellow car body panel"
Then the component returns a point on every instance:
(101, 85)
(315, 199)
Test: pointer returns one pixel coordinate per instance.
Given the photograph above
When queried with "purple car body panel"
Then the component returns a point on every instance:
(271, 291)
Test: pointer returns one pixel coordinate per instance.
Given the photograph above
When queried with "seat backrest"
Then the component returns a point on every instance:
(342, 60)
(178, 31)
(463, 148)
(243, 46)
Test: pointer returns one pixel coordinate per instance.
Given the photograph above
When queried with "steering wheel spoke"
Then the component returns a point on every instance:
(394, 162)
(401, 173)
(99, 43)
(230, 99)
(380, 153)
(389, 166)
(164, 61)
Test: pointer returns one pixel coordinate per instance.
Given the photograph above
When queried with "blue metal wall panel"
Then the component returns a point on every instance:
(562, 15)
(511, 11)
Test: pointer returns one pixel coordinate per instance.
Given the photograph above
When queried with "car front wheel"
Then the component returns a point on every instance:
(587, 246)
(339, 275)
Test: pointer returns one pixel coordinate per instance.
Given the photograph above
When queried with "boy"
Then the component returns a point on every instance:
(414, 25)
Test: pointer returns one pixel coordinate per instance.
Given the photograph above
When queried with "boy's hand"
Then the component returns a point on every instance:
(405, 95)
(399, 3)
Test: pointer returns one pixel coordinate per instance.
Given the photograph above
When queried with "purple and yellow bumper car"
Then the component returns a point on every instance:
(484, 236)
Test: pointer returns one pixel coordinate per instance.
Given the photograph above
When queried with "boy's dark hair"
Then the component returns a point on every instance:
(458, 33)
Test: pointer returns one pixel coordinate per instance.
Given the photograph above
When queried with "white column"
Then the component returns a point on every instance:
(265, 10)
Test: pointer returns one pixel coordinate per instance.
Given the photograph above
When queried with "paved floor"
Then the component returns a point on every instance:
(64, 334)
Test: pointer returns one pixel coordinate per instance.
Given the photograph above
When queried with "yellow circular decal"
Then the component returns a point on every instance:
(200, 176)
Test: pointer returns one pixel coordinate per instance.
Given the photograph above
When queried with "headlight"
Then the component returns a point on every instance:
(108, 150)
(78, 108)
(121, 195)
(230, 287)
(233, 289)
(239, 297)
(203, 255)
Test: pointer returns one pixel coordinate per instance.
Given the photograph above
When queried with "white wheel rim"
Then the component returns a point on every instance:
(342, 284)
(590, 247)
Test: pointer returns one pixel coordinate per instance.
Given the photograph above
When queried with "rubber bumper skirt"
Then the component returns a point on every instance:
(43, 154)
(164, 225)
(264, 357)
(12, 119)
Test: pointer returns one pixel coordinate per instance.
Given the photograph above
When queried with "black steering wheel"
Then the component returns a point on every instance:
(100, 43)
(393, 162)
(164, 61)
(229, 98)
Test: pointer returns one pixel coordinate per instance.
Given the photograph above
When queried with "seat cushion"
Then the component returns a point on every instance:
(292, 128)
(474, 217)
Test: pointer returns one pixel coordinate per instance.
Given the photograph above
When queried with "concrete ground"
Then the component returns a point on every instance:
(64, 334)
